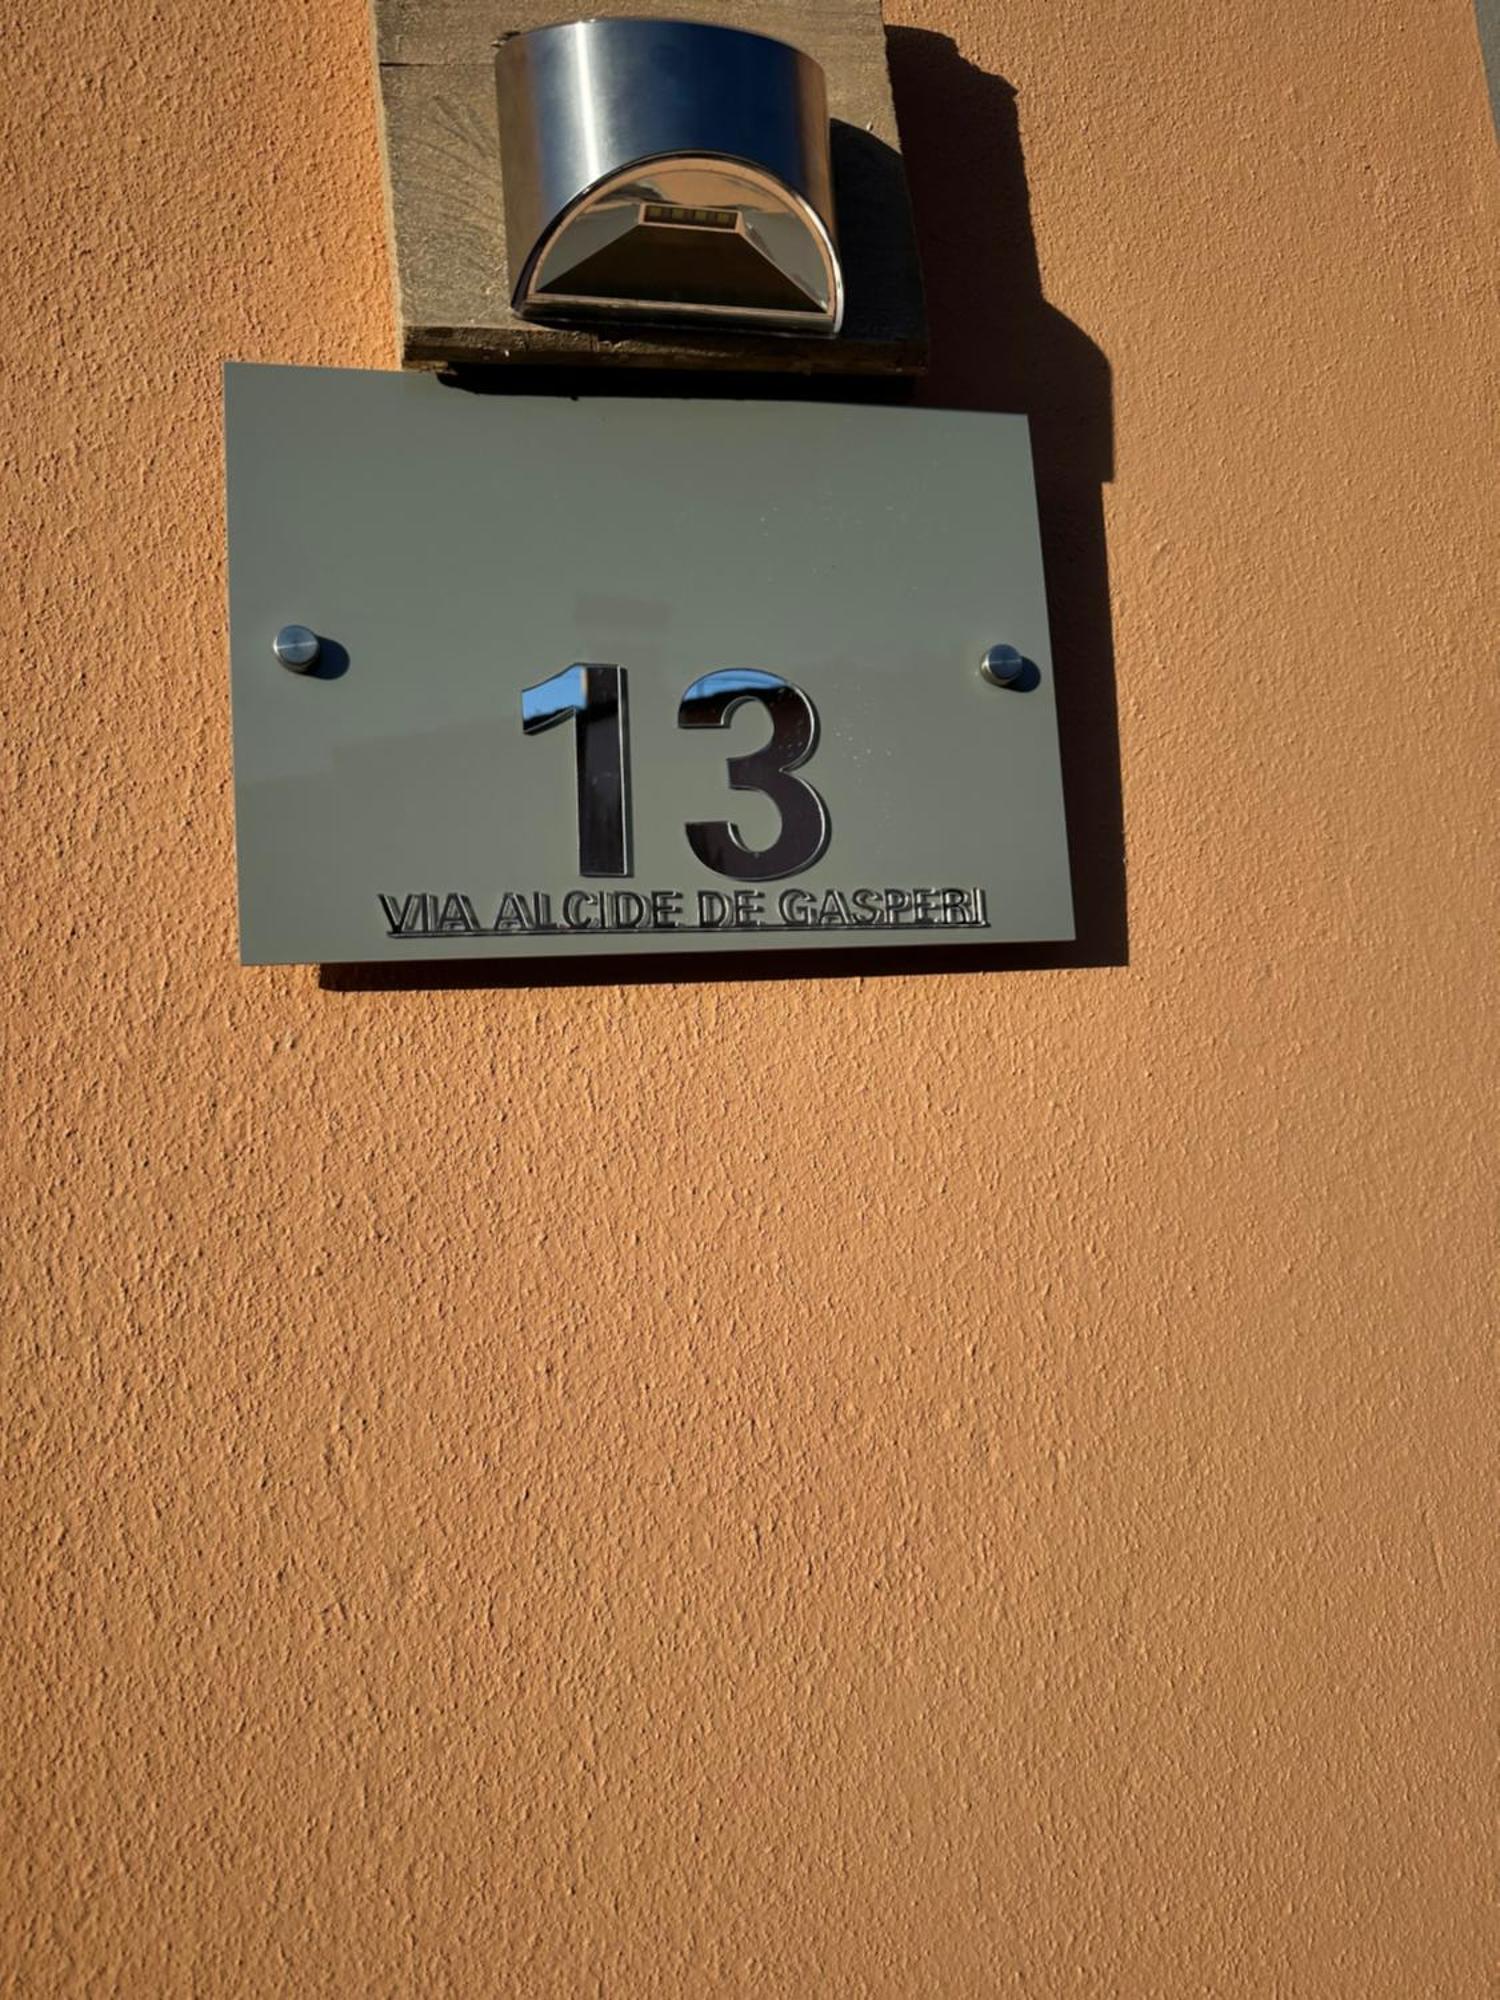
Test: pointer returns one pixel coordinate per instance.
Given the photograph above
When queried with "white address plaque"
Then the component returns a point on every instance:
(632, 675)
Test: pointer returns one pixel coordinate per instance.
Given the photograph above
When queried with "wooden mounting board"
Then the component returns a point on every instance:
(440, 134)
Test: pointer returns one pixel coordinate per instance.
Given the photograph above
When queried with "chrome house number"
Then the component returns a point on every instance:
(597, 698)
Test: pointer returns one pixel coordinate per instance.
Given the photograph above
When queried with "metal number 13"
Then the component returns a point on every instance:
(597, 698)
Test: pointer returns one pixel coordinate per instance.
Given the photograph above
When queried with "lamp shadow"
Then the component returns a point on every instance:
(996, 345)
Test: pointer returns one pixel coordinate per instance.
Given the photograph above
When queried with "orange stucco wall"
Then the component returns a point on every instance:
(909, 1485)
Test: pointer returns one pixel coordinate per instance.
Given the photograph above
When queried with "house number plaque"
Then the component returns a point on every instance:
(632, 675)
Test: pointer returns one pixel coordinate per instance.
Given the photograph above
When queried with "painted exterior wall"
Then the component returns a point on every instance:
(902, 1485)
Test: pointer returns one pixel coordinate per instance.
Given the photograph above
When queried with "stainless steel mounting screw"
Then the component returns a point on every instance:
(1003, 666)
(297, 648)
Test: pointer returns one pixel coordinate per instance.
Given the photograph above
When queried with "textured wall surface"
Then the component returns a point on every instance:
(907, 1485)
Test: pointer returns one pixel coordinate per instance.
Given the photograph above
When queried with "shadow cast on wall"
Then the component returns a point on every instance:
(996, 345)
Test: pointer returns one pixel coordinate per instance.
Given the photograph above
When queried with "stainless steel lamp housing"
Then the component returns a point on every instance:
(668, 170)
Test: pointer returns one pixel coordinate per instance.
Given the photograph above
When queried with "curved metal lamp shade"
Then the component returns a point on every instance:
(668, 170)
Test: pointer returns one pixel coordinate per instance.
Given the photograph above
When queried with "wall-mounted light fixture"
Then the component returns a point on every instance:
(668, 171)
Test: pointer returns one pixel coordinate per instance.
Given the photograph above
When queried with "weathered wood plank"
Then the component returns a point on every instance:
(445, 205)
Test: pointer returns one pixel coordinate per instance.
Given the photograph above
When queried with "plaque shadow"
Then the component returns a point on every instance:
(996, 345)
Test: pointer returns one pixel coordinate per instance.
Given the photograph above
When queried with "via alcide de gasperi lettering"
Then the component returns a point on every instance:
(429, 914)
